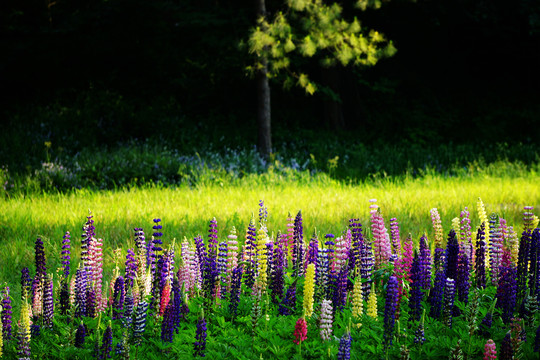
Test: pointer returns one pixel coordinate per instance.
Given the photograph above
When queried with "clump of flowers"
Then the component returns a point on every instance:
(300, 331)
(326, 319)
(490, 350)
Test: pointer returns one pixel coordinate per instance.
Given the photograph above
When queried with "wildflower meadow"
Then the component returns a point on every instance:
(466, 290)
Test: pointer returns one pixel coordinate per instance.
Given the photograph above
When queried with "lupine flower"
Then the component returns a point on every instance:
(6, 313)
(419, 334)
(106, 344)
(416, 295)
(455, 226)
(437, 227)
(390, 310)
(262, 279)
(463, 273)
(330, 253)
(96, 254)
(482, 215)
(313, 250)
(41, 269)
(495, 249)
(465, 233)
(490, 350)
(80, 292)
(131, 267)
(88, 234)
(66, 254)
(156, 243)
(346, 248)
(344, 352)
(289, 240)
(381, 241)
(372, 303)
(513, 244)
(177, 304)
(507, 352)
(300, 331)
(23, 343)
(480, 269)
(167, 325)
(298, 248)
(37, 296)
(200, 338)
(355, 246)
(251, 245)
(277, 282)
(485, 325)
(165, 298)
(48, 302)
(128, 310)
(119, 296)
(425, 263)
(394, 235)
(357, 301)
(139, 322)
(64, 297)
(1, 337)
(80, 336)
(326, 319)
(523, 266)
(528, 217)
(506, 291)
(213, 239)
(449, 295)
(403, 265)
(236, 282)
(436, 296)
(222, 261)
(288, 304)
(340, 294)
(256, 310)
(91, 306)
(322, 279)
(26, 283)
(366, 268)
(452, 250)
(309, 289)
(232, 250)
(534, 258)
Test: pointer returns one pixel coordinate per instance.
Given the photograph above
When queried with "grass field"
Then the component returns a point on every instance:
(326, 206)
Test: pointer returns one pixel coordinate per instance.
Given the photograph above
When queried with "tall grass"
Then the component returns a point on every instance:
(326, 206)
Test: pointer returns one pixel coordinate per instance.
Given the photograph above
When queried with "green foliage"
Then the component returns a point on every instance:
(313, 28)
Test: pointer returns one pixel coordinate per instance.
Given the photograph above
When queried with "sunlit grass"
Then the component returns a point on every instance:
(326, 206)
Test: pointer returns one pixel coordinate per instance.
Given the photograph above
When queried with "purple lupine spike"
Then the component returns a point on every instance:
(340, 295)
(26, 282)
(439, 259)
(127, 317)
(436, 296)
(425, 263)
(463, 274)
(366, 267)
(330, 251)
(269, 259)
(390, 310)
(91, 303)
(534, 259)
(357, 242)
(119, 297)
(288, 304)
(451, 256)
(131, 268)
(213, 239)
(23, 344)
(236, 283)
(416, 294)
(200, 252)
(495, 248)
(344, 351)
(156, 244)
(298, 246)
(200, 338)
(6, 314)
(66, 253)
(88, 234)
(48, 302)
(506, 290)
(322, 277)
(167, 325)
(394, 235)
(178, 302)
(263, 213)
(80, 292)
(313, 250)
(64, 297)
(251, 249)
(507, 351)
(523, 266)
(222, 261)
(139, 321)
(277, 273)
(480, 267)
(80, 336)
(449, 296)
(106, 344)
(41, 265)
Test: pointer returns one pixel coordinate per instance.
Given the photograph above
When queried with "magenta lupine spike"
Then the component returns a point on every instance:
(490, 350)
(466, 235)
(496, 244)
(394, 235)
(381, 241)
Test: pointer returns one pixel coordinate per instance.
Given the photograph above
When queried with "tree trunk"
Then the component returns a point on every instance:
(264, 140)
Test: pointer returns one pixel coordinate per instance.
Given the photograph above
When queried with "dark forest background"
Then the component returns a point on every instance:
(104, 72)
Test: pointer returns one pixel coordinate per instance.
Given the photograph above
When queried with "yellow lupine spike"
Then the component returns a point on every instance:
(357, 302)
(25, 320)
(372, 303)
(262, 239)
(309, 287)
(482, 215)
